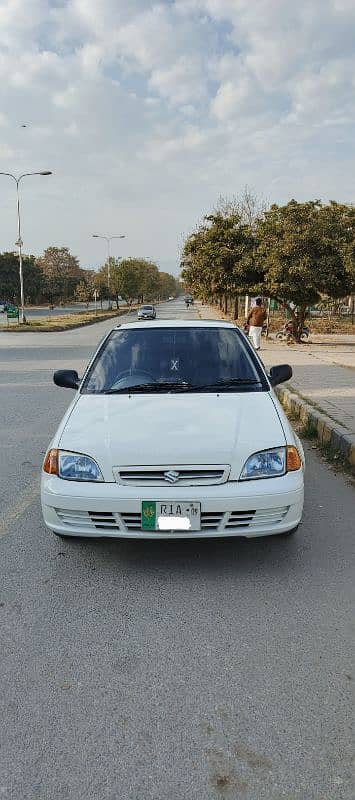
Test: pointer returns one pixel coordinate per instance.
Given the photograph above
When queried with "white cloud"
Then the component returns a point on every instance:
(219, 92)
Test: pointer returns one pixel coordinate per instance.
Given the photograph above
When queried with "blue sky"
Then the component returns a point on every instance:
(148, 111)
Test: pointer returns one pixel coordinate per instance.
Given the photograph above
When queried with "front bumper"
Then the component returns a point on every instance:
(248, 509)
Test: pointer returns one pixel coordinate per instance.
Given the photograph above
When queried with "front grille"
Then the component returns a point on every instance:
(190, 475)
(130, 521)
(104, 520)
(256, 519)
(269, 516)
(239, 519)
(75, 519)
(211, 521)
(90, 520)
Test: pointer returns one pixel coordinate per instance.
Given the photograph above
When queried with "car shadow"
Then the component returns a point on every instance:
(186, 558)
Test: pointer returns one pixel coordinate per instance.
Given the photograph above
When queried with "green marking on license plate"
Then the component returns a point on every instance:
(149, 515)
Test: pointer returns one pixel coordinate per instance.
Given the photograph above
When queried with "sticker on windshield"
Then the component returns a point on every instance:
(174, 365)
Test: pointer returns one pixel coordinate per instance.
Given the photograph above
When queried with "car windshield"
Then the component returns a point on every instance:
(146, 308)
(174, 359)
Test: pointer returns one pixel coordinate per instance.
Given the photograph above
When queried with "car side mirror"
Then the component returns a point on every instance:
(280, 374)
(68, 378)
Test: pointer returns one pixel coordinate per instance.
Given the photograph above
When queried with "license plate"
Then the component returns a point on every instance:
(163, 516)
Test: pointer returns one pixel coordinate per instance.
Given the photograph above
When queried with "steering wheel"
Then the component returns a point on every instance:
(132, 378)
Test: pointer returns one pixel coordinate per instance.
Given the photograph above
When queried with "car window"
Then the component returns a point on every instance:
(191, 356)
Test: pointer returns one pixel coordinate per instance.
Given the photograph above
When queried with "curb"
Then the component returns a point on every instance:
(328, 432)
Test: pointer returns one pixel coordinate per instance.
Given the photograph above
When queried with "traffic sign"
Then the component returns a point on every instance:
(13, 313)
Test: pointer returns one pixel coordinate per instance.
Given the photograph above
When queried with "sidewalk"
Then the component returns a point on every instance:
(322, 389)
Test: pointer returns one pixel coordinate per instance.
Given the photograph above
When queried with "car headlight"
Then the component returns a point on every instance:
(271, 463)
(72, 466)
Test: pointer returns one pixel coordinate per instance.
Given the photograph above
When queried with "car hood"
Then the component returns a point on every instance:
(171, 429)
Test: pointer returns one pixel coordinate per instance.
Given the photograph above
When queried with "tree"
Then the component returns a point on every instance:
(219, 257)
(248, 205)
(84, 292)
(135, 279)
(108, 289)
(306, 251)
(129, 279)
(61, 271)
(59, 261)
(138, 279)
(150, 280)
(100, 284)
(33, 280)
(167, 285)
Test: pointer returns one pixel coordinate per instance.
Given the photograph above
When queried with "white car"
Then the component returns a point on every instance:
(146, 312)
(174, 431)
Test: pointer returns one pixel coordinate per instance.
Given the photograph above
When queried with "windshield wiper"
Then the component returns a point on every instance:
(224, 384)
(150, 387)
(183, 387)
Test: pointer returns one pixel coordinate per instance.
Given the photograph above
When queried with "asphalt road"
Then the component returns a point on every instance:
(164, 671)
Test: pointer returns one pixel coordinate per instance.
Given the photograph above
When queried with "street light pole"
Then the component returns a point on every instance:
(108, 239)
(19, 242)
(108, 264)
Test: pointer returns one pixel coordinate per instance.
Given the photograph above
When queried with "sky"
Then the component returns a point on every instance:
(147, 112)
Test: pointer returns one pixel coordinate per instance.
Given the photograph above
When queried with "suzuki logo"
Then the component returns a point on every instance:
(171, 476)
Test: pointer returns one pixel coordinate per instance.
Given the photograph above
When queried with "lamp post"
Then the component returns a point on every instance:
(108, 239)
(19, 242)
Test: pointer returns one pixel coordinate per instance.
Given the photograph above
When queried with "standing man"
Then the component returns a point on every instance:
(255, 320)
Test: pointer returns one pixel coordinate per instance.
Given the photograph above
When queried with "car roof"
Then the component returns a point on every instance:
(177, 323)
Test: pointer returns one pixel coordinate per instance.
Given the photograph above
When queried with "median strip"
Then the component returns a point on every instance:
(66, 323)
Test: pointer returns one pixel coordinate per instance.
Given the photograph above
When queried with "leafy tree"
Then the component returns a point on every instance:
(33, 281)
(306, 251)
(134, 279)
(150, 280)
(167, 285)
(100, 284)
(84, 292)
(138, 279)
(219, 257)
(59, 261)
(61, 271)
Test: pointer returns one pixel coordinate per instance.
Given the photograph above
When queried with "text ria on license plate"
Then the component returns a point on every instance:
(167, 516)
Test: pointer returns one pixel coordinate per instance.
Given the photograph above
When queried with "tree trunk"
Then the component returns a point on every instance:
(236, 304)
(226, 304)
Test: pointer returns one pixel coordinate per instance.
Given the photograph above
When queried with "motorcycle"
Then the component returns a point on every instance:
(286, 333)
